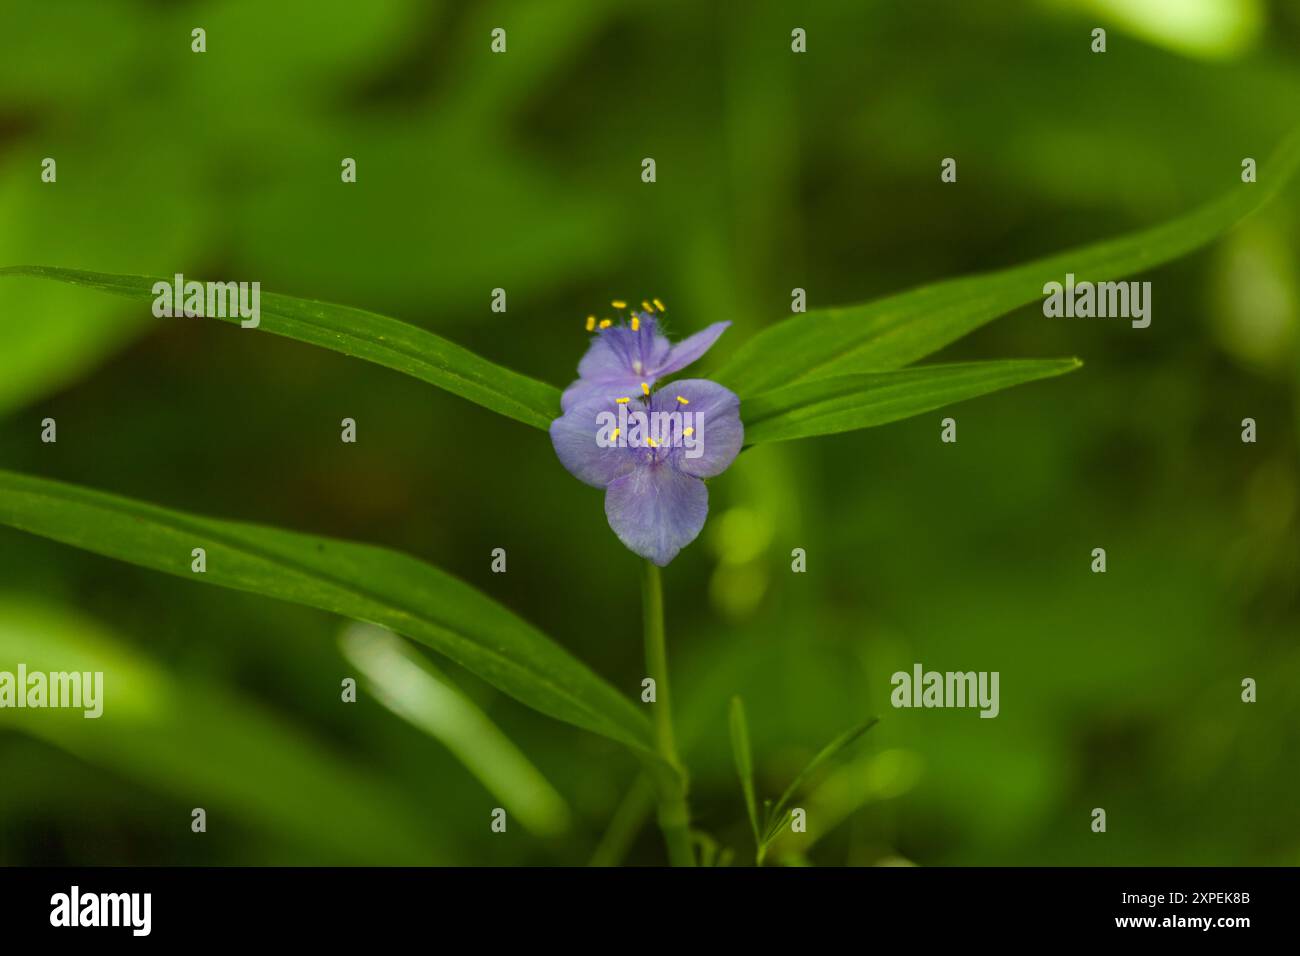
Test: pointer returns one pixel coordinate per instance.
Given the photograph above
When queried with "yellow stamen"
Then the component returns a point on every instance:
(684, 401)
(622, 401)
(619, 304)
(646, 305)
(652, 443)
(615, 433)
(636, 324)
(688, 432)
(591, 322)
(645, 389)
(605, 323)
(659, 305)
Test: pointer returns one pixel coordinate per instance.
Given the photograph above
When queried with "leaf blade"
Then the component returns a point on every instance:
(185, 733)
(375, 338)
(895, 331)
(744, 758)
(826, 753)
(359, 581)
(408, 684)
(841, 403)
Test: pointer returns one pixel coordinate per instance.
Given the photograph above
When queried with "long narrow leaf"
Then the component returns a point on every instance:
(407, 683)
(359, 581)
(900, 329)
(365, 335)
(824, 406)
(826, 753)
(744, 761)
(187, 736)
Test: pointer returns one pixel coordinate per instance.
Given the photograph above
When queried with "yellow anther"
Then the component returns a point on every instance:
(646, 305)
(684, 401)
(688, 432)
(619, 304)
(591, 322)
(636, 324)
(615, 433)
(622, 401)
(659, 305)
(605, 323)
(652, 443)
(645, 389)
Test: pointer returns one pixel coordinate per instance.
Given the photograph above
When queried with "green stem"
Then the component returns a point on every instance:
(674, 814)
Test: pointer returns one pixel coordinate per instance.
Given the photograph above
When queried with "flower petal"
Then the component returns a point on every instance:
(715, 417)
(585, 390)
(656, 510)
(619, 352)
(689, 349)
(574, 436)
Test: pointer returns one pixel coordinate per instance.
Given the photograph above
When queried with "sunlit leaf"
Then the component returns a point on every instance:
(183, 735)
(410, 686)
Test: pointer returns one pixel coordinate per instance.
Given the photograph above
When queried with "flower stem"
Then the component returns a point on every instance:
(674, 814)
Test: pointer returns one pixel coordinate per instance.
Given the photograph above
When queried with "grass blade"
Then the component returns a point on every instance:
(408, 685)
(359, 581)
(183, 735)
(826, 753)
(824, 406)
(895, 331)
(375, 338)
(744, 761)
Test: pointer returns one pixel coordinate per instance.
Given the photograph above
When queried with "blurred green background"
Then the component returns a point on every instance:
(775, 171)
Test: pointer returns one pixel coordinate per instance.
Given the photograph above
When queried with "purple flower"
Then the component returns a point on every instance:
(629, 359)
(650, 454)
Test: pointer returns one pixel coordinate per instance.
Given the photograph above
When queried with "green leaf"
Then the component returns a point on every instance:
(826, 753)
(359, 581)
(744, 761)
(824, 406)
(183, 734)
(405, 682)
(900, 329)
(365, 335)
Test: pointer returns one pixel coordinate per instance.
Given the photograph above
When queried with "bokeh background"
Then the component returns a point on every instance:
(775, 171)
